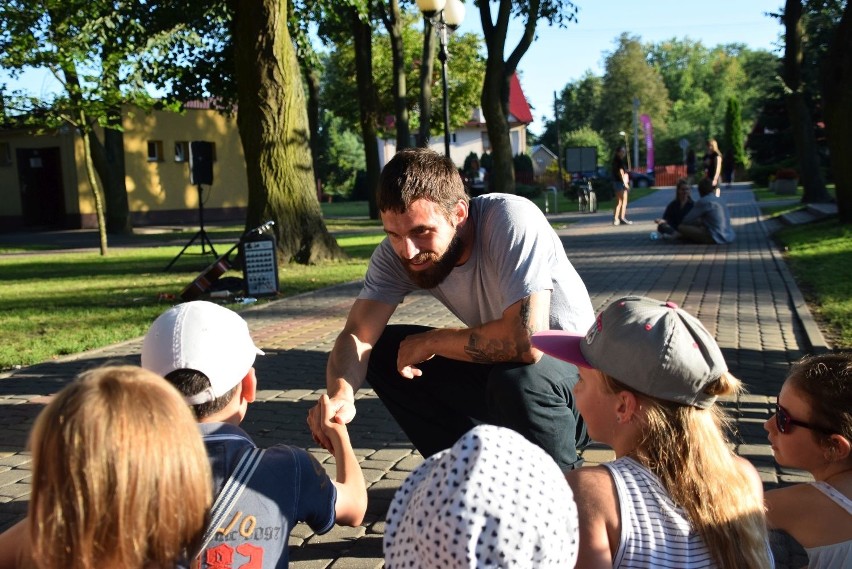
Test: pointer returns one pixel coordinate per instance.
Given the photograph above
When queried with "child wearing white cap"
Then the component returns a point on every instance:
(206, 351)
(493, 499)
(676, 495)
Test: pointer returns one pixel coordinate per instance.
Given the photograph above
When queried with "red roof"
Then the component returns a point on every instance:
(518, 105)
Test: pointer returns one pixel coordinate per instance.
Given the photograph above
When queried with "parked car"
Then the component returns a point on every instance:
(641, 179)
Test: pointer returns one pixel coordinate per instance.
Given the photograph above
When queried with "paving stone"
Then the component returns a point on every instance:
(741, 291)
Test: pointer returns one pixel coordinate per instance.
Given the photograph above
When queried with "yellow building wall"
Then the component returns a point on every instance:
(156, 190)
(165, 184)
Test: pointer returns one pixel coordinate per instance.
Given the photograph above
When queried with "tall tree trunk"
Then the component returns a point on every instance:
(501, 177)
(368, 104)
(837, 105)
(495, 91)
(393, 23)
(273, 126)
(312, 81)
(108, 160)
(96, 186)
(797, 107)
(427, 67)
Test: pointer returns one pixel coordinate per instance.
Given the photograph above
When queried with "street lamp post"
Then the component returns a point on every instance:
(446, 16)
(626, 147)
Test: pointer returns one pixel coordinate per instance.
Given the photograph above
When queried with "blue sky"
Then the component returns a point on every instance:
(559, 56)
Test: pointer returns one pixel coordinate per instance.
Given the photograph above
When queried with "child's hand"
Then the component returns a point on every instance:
(333, 426)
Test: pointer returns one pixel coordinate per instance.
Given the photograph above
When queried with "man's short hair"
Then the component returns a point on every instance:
(705, 186)
(419, 173)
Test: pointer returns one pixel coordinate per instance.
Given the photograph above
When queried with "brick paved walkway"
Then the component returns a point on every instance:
(742, 292)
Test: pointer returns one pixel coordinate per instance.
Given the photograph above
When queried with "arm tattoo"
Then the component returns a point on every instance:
(496, 350)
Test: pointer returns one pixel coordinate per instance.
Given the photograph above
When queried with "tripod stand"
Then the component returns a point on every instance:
(200, 234)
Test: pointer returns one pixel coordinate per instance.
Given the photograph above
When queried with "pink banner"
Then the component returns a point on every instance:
(649, 141)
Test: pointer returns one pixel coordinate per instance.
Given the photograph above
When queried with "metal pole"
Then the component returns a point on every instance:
(635, 132)
(558, 144)
(442, 55)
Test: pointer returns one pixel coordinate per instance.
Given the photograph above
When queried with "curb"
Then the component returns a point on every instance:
(813, 336)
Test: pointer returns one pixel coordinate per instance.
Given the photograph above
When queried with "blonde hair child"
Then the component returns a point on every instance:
(676, 495)
(120, 476)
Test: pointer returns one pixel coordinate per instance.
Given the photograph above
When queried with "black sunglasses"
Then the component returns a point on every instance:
(783, 420)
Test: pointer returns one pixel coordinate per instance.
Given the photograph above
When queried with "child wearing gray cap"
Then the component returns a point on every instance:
(676, 495)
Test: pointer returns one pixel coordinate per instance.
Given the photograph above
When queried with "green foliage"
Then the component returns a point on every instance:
(465, 76)
(523, 163)
(528, 191)
(587, 136)
(698, 82)
(820, 256)
(628, 76)
(342, 157)
(733, 140)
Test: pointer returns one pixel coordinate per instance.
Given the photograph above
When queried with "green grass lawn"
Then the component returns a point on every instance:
(54, 304)
(820, 257)
(57, 304)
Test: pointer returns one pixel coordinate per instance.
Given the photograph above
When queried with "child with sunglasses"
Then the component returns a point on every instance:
(812, 430)
(676, 495)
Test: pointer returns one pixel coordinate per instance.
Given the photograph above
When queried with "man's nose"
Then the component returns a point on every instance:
(409, 248)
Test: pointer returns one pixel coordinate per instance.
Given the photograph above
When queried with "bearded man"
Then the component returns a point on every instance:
(494, 262)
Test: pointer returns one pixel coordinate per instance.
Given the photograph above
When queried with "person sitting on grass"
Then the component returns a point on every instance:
(708, 221)
(206, 351)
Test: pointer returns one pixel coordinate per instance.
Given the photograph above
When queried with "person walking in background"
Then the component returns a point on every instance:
(676, 210)
(206, 351)
(495, 262)
(812, 430)
(620, 186)
(713, 165)
(120, 477)
(676, 495)
(492, 500)
(708, 221)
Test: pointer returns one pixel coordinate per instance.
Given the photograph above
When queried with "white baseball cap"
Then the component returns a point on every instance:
(204, 337)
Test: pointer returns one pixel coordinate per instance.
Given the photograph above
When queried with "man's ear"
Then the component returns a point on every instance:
(248, 386)
(460, 212)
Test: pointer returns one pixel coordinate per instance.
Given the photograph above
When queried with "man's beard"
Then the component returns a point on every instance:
(441, 266)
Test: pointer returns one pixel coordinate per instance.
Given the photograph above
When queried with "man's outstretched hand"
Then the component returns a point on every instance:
(325, 417)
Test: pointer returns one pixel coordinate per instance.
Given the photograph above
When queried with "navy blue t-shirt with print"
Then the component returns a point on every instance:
(289, 486)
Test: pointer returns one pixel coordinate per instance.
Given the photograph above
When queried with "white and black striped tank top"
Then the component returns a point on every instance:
(655, 532)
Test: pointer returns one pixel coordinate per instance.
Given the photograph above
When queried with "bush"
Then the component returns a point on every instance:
(760, 173)
(527, 191)
(786, 174)
(523, 163)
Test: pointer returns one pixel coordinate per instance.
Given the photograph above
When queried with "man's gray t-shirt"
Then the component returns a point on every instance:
(515, 253)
